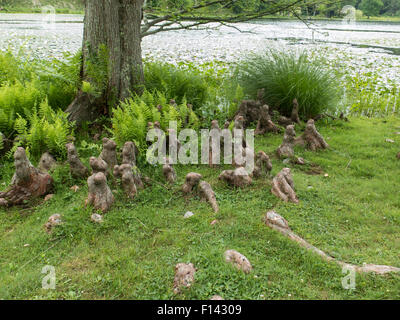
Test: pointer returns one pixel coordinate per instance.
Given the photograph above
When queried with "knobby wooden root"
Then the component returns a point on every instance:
(109, 154)
(237, 178)
(214, 133)
(250, 109)
(263, 164)
(53, 221)
(77, 168)
(238, 260)
(247, 154)
(191, 180)
(98, 165)
(238, 133)
(311, 138)
(286, 148)
(184, 276)
(125, 173)
(283, 186)
(295, 112)
(169, 171)
(207, 193)
(46, 162)
(129, 153)
(100, 195)
(265, 123)
(27, 183)
(294, 118)
(278, 223)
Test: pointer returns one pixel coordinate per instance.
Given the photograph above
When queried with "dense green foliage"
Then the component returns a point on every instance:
(70, 6)
(130, 119)
(43, 130)
(320, 9)
(176, 83)
(371, 7)
(28, 86)
(289, 76)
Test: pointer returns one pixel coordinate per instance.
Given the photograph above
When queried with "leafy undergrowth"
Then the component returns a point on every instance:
(353, 214)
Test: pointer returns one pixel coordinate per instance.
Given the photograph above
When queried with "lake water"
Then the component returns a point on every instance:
(360, 48)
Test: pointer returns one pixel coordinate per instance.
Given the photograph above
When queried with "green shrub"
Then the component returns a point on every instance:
(43, 130)
(176, 83)
(24, 84)
(286, 76)
(60, 79)
(131, 117)
(10, 68)
(17, 99)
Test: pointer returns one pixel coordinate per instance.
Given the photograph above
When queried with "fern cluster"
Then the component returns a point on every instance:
(177, 83)
(44, 130)
(26, 84)
(130, 119)
(17, 100)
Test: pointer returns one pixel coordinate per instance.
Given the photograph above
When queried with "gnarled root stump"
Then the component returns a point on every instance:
(53, 221)
(184, 276)
(263, 164)
(137, 177)
(215, 130)
(294, 117)
(27, 182)
(78, 169)
(250, 109)
(283, 186)
(109, 154)
(207, 193)
(311, 138)
(286, 148)
(238, 260)
(98, 165)
(124, 172)
(129, 153)
(191, 180)
(100, 195)
(265, 123)
(247, 154)
(278, 223)
(295, 112)
(238, 131)
(169, 172)
(173, 139)
(46, 162)
(284, 122)
(237, 178)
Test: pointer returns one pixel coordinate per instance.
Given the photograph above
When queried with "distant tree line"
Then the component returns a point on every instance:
(327, 8)
(320, 8)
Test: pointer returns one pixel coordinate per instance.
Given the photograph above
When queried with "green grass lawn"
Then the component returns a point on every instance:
(353, 215)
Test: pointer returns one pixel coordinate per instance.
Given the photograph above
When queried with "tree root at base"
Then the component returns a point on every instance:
(278, 223)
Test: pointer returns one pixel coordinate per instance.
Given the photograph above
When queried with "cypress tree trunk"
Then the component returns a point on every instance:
(114, 25)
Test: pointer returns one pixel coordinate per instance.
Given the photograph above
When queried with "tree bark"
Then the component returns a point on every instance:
(116, 25)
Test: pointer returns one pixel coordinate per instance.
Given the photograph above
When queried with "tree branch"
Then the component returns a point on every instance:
(173, 21)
